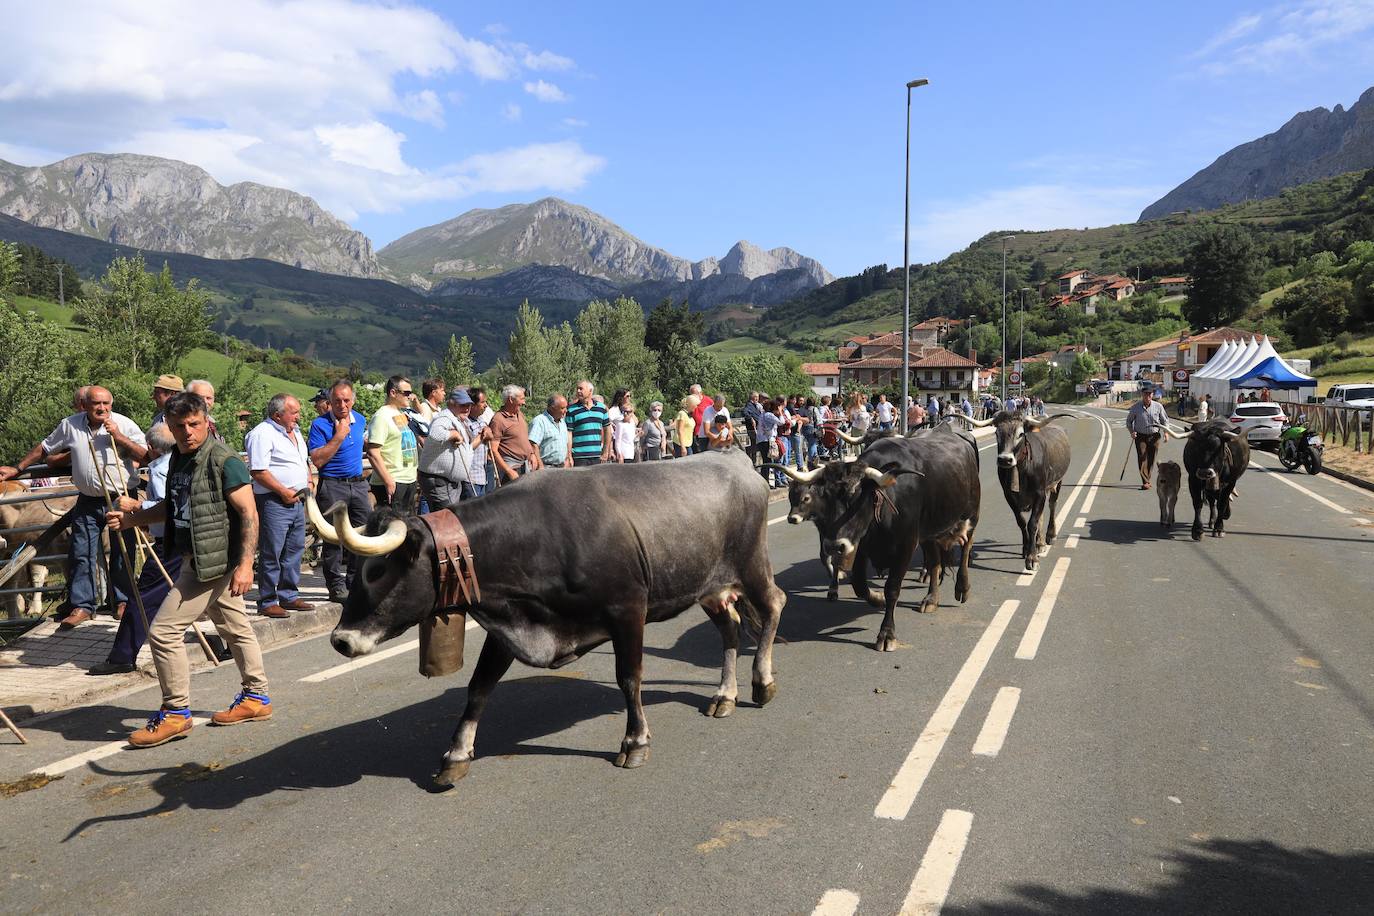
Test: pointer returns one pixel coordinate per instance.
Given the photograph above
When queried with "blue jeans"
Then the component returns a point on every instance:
(472, 490)
(152, 588)
(798, 455)
(83, 556)
(340, 566)
(281, 542)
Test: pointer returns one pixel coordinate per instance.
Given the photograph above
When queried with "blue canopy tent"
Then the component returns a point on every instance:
(1273, 373)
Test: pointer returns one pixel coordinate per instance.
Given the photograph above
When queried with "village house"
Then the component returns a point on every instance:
(1173, 286)
(876, 361)
(825, 377)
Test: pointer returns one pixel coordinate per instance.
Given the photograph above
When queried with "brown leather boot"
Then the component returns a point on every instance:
(298, 604)
(246, 707)
(163, 726)
(274, 610)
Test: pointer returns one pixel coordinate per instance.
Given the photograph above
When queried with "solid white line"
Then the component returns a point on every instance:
(1071, 542)
(1026, 578)
(931, 884)
(374, 658)
(901, 793)
(1101, 469)
(837, 902)
(1030, 642)
(68, 764)
(995, 726)
(1269, 472)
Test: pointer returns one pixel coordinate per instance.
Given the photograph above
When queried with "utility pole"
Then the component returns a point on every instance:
(906, 263)
(1005, 239)
(61, 291)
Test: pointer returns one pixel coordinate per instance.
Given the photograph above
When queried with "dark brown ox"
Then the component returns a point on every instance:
(543, 550)
(1214, 458)
(1032, 459)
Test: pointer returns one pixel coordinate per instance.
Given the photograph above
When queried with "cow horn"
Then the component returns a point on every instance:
(315, 517)
(1038, 422)
(798, 476)
(365, 545)
(1185, 434)
(1230, 434)
(885, 480)
(852, 440)
(978, 423)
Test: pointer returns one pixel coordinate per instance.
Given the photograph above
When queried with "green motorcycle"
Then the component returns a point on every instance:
(1300, 447)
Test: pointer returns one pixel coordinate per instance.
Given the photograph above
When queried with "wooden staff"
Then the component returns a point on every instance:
(11, 726)
(124, 548)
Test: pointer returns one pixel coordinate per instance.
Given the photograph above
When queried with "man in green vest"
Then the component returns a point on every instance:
(211, 521)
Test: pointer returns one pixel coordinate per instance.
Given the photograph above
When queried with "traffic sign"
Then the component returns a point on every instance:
(1014, 377)
(1180, 375)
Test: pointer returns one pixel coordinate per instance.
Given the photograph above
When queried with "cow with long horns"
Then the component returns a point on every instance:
(899, 494)
(1214, 458)
(1032, 459)
(542, 593)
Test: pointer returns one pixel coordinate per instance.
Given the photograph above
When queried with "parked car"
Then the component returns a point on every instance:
(1357, 395)
(1261, 421)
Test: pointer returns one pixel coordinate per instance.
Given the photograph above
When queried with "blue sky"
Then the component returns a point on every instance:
(691, 126)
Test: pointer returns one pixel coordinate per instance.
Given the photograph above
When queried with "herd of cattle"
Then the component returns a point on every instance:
(543, 595)
(548, 585)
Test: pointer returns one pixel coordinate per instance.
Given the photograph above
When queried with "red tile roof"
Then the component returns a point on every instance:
(821, 368)
(1174, 280)
(876, 362)
(939, 321)
(940, 358)
(1070, 274)
(845, 352)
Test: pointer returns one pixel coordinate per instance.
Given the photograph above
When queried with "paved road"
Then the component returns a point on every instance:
(1145, 725)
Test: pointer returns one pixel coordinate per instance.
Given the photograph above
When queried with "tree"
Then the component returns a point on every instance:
(668, 321)
(1084, 367)
(459, 366)
(1316, 309)
(611, 334)
(143, 320)
(10, 269)
(1359, 270)
(1225, 270)
(686, 363)
(34, 381)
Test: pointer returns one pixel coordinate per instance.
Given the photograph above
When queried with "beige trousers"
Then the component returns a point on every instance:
(187, 600)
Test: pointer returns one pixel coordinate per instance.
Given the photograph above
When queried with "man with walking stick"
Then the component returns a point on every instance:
(211, 520)
(104, 446)
(1146, 422)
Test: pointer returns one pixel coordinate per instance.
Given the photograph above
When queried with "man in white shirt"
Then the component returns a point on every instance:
(279, 463)
(886, 412)
(118, 443)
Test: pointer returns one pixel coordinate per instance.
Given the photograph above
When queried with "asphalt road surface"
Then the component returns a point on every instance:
(1147, 724)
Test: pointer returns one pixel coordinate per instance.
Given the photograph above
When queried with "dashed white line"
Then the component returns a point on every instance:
(932, 882)
(1269, 472)
(837, 902)
(780, 518)
(1080, 521)
(901, 793)
(1030, 642)
(1071, 542)
(67, 764)
(995, 726)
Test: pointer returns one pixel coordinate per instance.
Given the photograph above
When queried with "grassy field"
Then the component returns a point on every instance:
(744, 346)
(208, 364)
(48, 311)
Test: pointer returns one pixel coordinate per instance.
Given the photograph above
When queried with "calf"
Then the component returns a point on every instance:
(1168, 480)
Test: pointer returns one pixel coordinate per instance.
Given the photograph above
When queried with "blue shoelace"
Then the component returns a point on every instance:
(156, 718)
(245, 695)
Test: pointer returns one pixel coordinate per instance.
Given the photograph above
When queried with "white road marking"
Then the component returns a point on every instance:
(1269, 472)
(780, 518)
(931, 884)
(68, 764)
(1030, 642)
(1358, 520)
(1101, 469)
(837, 902)
(995, 726)
(1071, 542)
(1080, 521)
(374, 658)
(901, 793)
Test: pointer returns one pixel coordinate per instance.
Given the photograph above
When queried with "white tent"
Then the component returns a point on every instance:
(1237, 362)
(1223, 353)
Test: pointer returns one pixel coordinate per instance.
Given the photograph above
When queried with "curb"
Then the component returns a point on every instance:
(269, 631)
(1349, 478)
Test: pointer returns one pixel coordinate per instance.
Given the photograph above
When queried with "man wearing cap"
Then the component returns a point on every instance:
(1146, 421)
(104, 446)
(446, 455)
(336, 450)
(321, 402)
(164, 388)
(280, 468)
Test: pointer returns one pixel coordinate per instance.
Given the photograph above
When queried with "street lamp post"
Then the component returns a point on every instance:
(1021, 345)
(1005, 239)
(906, 261)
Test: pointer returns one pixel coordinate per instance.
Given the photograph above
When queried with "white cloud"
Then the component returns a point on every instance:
(511, 112)
(945, 226)
(574, 123)
(292, 93)
(545, 91)
(1320, 32)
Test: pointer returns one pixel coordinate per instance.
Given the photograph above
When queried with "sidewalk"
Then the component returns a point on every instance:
(45, 669)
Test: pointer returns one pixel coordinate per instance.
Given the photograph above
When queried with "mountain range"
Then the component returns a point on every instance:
(167, 206)
(1312, 145)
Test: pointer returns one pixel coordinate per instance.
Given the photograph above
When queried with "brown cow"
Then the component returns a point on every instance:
(25, 515)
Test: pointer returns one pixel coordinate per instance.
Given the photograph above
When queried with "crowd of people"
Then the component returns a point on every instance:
(208, 522)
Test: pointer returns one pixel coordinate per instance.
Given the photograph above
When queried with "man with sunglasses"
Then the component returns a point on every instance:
(392, 449)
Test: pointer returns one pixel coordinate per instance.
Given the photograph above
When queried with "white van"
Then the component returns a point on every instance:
(1356, 395)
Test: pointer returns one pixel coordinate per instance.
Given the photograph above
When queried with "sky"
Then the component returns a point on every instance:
(690, 125)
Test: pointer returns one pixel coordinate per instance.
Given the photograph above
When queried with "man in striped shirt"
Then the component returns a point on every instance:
(589, 427)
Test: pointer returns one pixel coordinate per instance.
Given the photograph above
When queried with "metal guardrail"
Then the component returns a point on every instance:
(41, 494)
